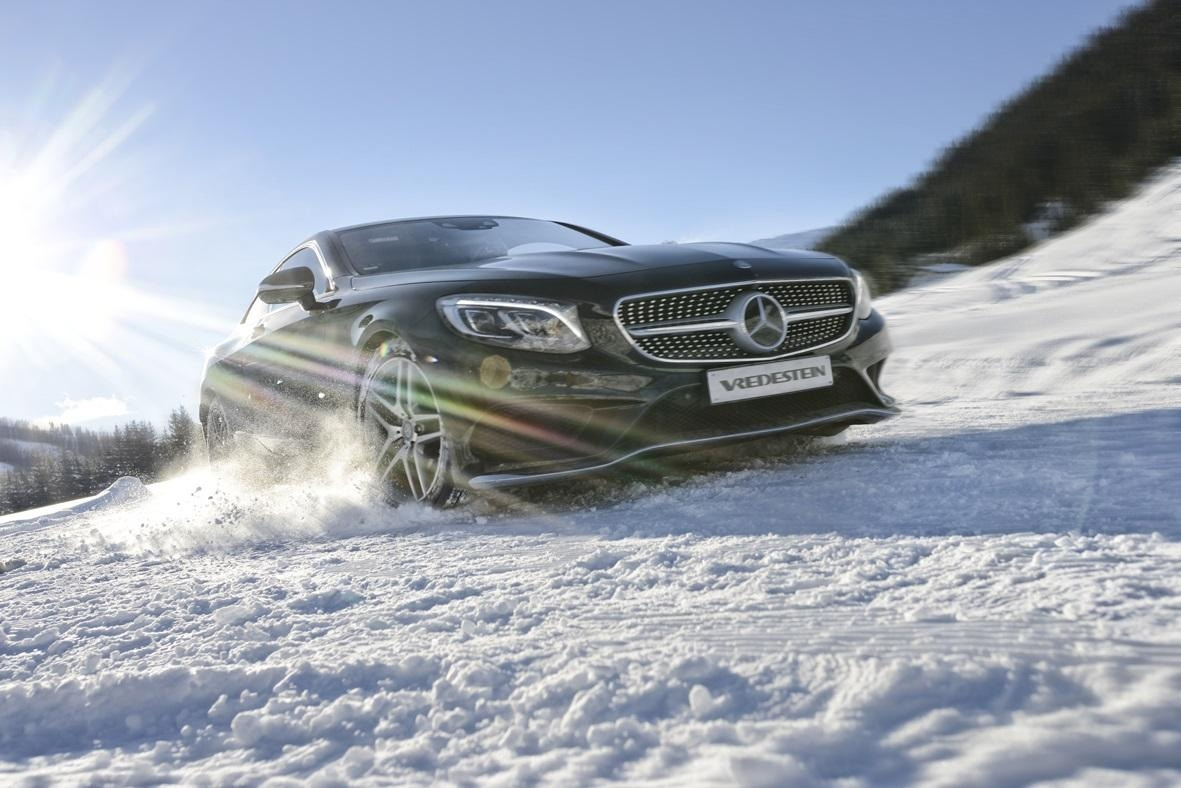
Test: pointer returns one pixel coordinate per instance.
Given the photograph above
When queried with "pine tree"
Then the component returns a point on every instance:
(180, 438)
(6, 503)
(73, 482)
(45, 483)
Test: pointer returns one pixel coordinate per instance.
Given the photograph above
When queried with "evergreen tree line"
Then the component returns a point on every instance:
(60, 436)
(73, 463)
(1086, 134)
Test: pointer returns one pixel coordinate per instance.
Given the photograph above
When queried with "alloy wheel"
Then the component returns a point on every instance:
(405, 426)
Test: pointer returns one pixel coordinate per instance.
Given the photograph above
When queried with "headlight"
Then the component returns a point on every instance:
(864, 299)
(516, 322)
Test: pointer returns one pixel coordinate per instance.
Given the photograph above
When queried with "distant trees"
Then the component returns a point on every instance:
(60, 462)
(181, 438)
(1084, 135)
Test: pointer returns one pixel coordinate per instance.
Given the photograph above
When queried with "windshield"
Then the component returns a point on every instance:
(435, 243)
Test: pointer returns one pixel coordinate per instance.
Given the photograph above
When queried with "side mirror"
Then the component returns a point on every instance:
(288, 286)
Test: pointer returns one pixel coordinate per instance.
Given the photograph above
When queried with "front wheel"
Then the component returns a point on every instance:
(403, 425)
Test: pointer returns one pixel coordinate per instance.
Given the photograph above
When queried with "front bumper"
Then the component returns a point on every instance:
(544, 418)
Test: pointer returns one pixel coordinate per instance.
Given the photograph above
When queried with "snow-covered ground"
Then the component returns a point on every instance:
(985, 591)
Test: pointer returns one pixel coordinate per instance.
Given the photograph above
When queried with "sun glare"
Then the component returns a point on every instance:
(83, 282)
(72, 300)
(25, 205)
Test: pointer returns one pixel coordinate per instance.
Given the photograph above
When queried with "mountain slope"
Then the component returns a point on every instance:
(1085, 134)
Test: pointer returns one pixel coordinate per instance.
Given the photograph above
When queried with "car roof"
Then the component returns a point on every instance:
(429, 219)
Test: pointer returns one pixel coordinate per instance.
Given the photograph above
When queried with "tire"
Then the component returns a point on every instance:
(402, 422)
(219, 434)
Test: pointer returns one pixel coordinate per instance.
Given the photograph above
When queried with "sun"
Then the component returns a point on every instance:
(26, 205)
(80, 282)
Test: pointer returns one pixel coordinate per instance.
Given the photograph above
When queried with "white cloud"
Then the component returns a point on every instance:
(76, 411)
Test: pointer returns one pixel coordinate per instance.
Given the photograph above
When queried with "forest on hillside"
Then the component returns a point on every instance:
(41, 465)
(1086, 134)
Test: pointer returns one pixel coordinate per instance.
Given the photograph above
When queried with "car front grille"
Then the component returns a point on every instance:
(686, 326)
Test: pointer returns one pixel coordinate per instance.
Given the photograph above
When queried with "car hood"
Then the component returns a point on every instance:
(618, 270)
(615, 260)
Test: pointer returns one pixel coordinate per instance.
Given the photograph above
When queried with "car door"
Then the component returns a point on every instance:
(285, 360)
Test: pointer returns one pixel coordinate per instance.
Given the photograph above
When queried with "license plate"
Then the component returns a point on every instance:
(766, 380)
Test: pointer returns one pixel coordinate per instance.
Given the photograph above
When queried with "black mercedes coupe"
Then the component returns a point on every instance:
(480, 352)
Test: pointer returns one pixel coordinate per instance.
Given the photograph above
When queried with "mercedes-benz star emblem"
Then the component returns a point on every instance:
(760, 324)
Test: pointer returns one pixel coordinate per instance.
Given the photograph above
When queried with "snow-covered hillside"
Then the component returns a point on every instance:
(31, 450)
(32, 447)
(804, 239)
(985, 591)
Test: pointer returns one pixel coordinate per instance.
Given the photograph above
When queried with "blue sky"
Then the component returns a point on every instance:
(160, 158)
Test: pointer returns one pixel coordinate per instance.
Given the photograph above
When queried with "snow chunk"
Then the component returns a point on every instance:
(701, 701)
(11, 564)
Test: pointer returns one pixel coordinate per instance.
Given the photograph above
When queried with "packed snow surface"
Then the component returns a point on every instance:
(985, 591)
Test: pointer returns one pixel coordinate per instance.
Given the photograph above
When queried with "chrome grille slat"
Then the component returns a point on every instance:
(682, 326)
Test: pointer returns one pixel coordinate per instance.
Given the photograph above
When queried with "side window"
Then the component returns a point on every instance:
(255, 312)
(307, 258)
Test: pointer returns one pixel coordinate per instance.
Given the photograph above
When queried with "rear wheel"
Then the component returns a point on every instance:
(403, 424)
(219, 435)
